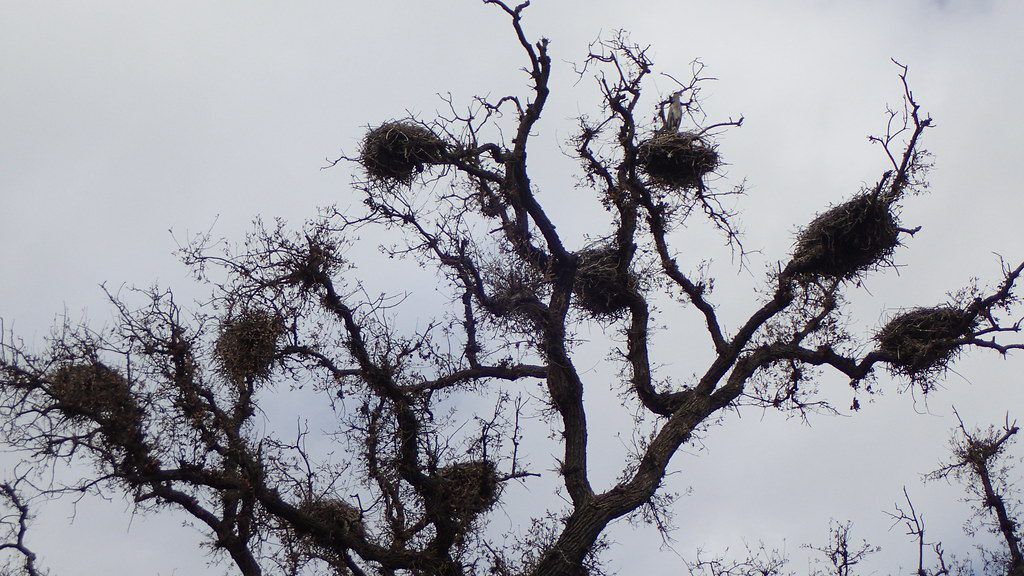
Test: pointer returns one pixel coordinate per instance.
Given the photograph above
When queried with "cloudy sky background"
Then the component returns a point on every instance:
(123, 121)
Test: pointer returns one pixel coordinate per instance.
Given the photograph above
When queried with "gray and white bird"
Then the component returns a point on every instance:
(674, 116)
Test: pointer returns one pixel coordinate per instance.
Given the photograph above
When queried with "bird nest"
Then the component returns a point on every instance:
(311, 266)
(247, 345)
(599, 287)
(397, 151)
(470, 488)
(336, 517)
(677, 159)
(93, 390)
(924, 340)
(511, 285)
(848, 239)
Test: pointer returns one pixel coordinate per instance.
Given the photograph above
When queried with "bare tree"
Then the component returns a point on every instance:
(14, 525)
(162, 404)
(981, 464)
(758, 561)
(906, 514)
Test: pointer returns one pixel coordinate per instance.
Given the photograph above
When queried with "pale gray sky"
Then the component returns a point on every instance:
(123, 120)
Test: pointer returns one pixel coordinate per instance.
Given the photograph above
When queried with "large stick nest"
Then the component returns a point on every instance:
(247, 345)
(337, 517)
(397, 151)
(514, 287)
(857, 235)
(93, 390)
(470, 488)
(599, 287)
(677, 159)
(924, 340)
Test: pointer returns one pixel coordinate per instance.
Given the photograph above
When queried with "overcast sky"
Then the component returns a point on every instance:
(125, 125)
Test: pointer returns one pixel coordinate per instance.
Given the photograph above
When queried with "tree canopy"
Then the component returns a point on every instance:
(435, 425)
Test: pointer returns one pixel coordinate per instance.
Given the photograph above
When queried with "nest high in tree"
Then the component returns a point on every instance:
(677, 159)
(94, 392)
(512, 284)
(396, 151)
(247, 345)
(844, 241)
(599, 289)
(925, 340)
(471, 487)
(337, 517)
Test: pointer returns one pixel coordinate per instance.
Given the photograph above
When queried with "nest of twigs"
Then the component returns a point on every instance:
(470, 487)
(513, 285)
(397, 151)
(599, 287)
(925, 340)
(677, 159)
(92, 390)
(247, 345)
(857, 235)
(337, 517)
(313, 265)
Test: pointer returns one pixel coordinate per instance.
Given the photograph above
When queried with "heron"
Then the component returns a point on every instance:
(675, 112)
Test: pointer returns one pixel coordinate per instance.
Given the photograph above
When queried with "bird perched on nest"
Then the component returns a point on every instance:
(675, 113)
